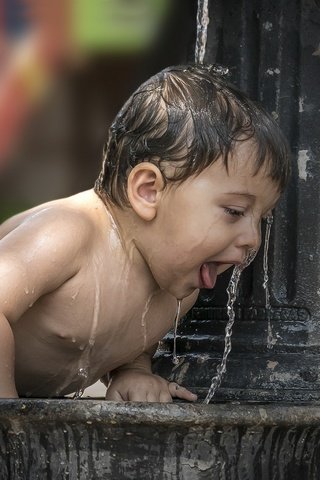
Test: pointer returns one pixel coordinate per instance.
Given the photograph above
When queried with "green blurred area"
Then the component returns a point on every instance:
(117, 26)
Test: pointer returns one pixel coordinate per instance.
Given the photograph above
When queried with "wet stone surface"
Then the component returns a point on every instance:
(81, 439)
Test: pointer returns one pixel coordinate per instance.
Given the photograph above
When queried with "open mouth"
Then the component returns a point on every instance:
(208, 275)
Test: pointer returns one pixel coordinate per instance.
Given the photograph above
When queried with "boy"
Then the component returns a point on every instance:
(90, 283)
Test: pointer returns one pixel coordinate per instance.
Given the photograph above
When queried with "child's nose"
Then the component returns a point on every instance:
(251, 236)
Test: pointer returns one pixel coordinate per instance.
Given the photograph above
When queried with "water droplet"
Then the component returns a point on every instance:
(78, 394)
(83, 372)
(74, 296)
(26, 290)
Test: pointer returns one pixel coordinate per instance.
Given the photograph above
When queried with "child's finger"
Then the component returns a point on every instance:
(181, 392)
(165, 397)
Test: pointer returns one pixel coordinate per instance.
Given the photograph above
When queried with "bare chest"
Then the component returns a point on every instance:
(99, 320)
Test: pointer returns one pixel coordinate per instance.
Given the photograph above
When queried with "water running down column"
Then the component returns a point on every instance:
(265, 260)
(265, 285)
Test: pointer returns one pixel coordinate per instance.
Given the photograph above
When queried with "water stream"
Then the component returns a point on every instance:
(232, 295)
(84, 361)
(175, 358)
(143, 321)
(270, 340)
(202, 30)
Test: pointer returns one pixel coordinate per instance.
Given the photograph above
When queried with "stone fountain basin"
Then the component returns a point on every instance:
(94, 439)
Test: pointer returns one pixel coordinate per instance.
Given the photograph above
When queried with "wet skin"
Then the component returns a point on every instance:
(63, 269)
(213, 218)
(85, 286)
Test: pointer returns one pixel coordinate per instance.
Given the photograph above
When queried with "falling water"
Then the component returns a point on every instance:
(202, 29)
(265, 260)
(84, 362)
(232, 295)
(175, 359)
(83, 374)
(265, 284)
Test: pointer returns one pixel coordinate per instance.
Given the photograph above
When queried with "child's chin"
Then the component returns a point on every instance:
(181, 293)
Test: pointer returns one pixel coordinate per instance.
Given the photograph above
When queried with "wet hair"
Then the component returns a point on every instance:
(188, 116)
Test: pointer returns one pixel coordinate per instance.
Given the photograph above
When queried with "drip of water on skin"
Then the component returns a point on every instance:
(202, 29)
(266, 279)
(175, 359)
(232, 290)
(143, 320)
(84, 361)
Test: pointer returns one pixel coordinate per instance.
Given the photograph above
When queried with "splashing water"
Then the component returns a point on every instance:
(265, 285)
(175, 359)
(202, 29)
(232, 295)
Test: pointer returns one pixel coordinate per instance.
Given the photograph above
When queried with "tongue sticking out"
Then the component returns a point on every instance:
(208, 275)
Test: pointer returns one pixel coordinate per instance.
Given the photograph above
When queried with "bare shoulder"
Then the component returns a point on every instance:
(66, 230)
(75, 214)
(47, 246)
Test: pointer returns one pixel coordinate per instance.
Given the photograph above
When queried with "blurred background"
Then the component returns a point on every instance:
(66, 68)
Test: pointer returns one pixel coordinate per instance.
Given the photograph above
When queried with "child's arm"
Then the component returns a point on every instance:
(136, 382)
(7, 383)
(36, 258)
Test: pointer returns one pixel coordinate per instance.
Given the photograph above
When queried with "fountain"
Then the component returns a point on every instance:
(264, 420)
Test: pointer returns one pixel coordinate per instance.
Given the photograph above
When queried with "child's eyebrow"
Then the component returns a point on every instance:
(243, 194)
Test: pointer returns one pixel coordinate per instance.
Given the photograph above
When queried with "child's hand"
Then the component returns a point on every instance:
(138, 386)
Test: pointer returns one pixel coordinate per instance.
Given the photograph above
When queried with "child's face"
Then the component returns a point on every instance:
(209, 223)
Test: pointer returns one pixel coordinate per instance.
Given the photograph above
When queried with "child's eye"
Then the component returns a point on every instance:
(233, 212)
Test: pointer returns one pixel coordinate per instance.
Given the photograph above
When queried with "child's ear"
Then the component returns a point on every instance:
(145, 184)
